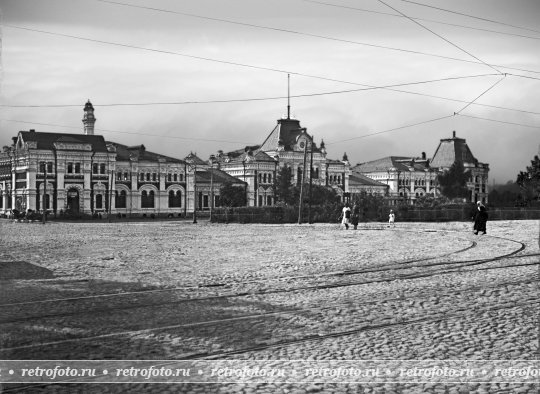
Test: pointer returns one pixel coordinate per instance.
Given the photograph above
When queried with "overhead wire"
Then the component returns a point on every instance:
(125, 132)
(310, 34)
(471, 16)
(499, 121)
(390, 130)
(476, 98)
(419, 19)
(369, 87)
(440, 36)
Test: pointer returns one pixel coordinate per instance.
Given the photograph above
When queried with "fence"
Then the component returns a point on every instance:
(289, 214)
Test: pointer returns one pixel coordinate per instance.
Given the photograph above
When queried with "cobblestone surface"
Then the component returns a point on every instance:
(314, 292)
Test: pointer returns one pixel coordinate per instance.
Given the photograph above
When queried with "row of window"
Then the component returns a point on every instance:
(148, 199)
(334, 178)
(407, 182)
(150, 177)
(265, 178)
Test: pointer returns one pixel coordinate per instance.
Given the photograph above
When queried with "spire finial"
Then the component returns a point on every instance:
(288, 96)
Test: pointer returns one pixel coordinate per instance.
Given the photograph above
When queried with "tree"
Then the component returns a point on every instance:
(454, 181)
(320, 195)
(529, 180)
(232, 196)
(283, 189)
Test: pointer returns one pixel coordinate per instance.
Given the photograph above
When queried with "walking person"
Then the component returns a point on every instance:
(355, 215)
(392, 219)
(346, 215)
(480, 218)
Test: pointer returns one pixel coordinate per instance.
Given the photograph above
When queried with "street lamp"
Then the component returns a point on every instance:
(212, 161)
(193, 166)
(44, 201)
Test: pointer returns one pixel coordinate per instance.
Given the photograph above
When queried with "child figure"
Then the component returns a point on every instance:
(391, 219)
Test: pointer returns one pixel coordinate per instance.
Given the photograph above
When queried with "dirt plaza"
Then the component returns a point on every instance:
(173, 290)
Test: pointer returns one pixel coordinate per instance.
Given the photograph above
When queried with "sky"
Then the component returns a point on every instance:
(372, 78)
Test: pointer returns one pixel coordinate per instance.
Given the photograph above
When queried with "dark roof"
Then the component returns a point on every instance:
(285, 133)
(359, 179)
(125, 153)
(192, 158)
(46, 140)
(218, 175)
(400, 163)
(451, 150)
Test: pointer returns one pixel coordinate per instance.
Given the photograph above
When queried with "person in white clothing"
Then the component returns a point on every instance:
(392, 219)
(346, 216)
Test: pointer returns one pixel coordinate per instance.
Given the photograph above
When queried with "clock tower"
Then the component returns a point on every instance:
(88, 119)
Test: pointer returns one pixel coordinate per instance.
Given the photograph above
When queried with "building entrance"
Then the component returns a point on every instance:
(73, 201)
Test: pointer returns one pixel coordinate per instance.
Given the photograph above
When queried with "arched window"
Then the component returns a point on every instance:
(169, 177)
(120, 199)
(175, 199)
(269, 179)
(264, 178)
(126, 176)
(147, 199)
(95, 168)
(141, 177)
(154, 177)
(260, 177)
(99, 201)
(148, 176)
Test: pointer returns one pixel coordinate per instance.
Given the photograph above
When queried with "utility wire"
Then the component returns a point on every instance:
(471, 16)
(484, 92)
(390, 130)
(500, 121)
(124, 132)
(387, 87)
(438, 35)
(307, 34)
(420, 19)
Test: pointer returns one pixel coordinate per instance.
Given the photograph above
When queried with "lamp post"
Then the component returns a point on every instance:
(44, 201)
(193, 166)
(212, 161)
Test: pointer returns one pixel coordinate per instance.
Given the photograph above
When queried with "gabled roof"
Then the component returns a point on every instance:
(218, 176)
(285, 134)
(357, 179)
(139, 152)
(451, 150)
(192, 158)
(382, 164)
(46, 141)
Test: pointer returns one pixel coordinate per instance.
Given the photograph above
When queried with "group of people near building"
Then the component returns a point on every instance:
(351, 216)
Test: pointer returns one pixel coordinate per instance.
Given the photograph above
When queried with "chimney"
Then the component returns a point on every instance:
(423, 155)
(454, 134)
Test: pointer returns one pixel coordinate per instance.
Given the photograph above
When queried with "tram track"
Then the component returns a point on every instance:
(406, 276)
(420, 295)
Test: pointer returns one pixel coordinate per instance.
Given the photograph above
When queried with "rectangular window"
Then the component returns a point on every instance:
(154, 177)
(70, 168)
(77, 168)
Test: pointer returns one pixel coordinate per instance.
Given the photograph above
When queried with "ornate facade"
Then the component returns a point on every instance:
(409, 178)
(82, 174)
(288, 144)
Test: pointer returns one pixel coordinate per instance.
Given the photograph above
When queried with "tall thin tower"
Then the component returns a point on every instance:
(88, 119)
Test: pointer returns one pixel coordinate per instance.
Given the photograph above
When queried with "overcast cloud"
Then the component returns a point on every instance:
(43, 69)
